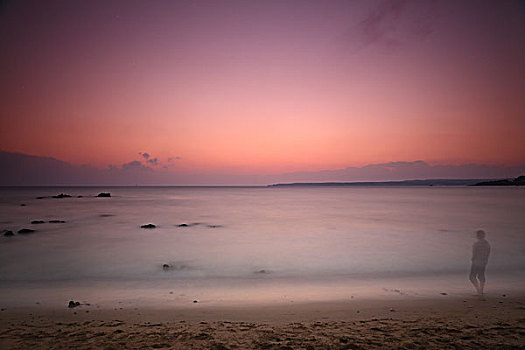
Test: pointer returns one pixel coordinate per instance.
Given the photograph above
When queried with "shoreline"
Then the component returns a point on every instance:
(405, 322)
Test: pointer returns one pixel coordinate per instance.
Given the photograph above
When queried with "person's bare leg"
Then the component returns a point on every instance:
(474, 282)
(481, 277)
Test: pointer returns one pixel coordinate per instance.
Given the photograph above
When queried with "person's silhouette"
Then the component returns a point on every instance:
(480, 257)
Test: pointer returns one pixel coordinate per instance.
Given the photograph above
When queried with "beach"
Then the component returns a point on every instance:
(468, 322)
(263, 268)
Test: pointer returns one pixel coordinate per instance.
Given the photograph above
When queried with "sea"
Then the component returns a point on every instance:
(253, 245)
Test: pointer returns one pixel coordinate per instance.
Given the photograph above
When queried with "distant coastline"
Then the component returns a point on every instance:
(519, 181)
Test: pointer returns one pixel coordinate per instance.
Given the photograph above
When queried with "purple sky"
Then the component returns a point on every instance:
(230, 89)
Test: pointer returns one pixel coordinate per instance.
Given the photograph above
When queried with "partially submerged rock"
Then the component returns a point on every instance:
(104, 194)
(183, 225)
(8, 233)
(62, 195)
(73, 304)
(35, 222)
(148, 226)
(56, 221)
(166, 267)
(25, 231)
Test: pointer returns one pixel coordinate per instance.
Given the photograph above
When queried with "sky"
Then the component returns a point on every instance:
(263, 87)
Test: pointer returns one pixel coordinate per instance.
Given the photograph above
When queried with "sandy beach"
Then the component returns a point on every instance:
(469, 322)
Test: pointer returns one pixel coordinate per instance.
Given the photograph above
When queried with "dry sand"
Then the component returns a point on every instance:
(404, 323)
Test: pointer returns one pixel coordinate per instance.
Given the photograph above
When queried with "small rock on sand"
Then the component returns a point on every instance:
(25, 231)
(166, 266)
(8, 233)
(104, 194)
(56, 221)
(183, 225)
(148, 226)
(195, 301)
(34, 222)
(443, 293)
(22, 205)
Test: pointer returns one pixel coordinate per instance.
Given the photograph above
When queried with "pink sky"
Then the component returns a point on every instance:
(264, 87)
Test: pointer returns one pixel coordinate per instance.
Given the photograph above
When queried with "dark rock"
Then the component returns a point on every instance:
(214, 226)
(57, 221)
(80, 196)
(195, 301)
(22, 205)
(104, 194)
(148, 226)
(106, 215)
(443, 293)
(166, 266)
(40, 197)
(35, 222)
(73, 304)
(8, 233)
(183, 225)
(262, 271)
(62, 195)
(25, 231)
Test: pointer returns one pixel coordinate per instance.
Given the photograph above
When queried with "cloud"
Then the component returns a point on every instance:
(153, 161)
(392, 23)
(135, 165)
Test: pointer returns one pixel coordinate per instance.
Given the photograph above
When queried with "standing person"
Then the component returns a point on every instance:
(480, 257)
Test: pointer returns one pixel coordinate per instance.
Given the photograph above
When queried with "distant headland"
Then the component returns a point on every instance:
(519, 181)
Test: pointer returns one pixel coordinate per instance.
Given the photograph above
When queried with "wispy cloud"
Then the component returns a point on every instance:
(144, 155)
(392, 23)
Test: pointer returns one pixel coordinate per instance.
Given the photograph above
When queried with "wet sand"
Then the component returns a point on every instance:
(444, 322)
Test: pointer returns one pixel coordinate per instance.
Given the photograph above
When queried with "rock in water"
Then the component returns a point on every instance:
(166, 266)
(8, 233)
(148, 226)
(57, 221)
(62, 195)
(25, 231)
(184, 225)
(73, 304)
(104, 194)
(34, 222)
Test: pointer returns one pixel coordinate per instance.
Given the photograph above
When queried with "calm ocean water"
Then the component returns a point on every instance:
(253, 244)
